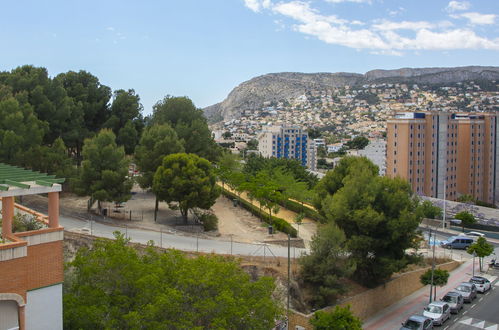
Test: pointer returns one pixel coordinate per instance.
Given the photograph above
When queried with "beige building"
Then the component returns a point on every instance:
(449, 153)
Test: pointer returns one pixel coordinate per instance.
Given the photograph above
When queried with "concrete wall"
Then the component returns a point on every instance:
(368, 303)
(44, 308)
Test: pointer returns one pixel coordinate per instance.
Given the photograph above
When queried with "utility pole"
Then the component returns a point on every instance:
(443, 221)
(474, 255)
(432, 266)
(289, 275)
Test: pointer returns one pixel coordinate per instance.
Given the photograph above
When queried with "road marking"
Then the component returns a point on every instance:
(473, 306)
(465, 313)
(447, 327)
(480, 325)
(480, 299)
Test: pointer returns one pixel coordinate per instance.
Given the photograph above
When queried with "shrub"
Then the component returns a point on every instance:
(210, 221)
(24, 222)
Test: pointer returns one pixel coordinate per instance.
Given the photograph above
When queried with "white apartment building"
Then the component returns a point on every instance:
(287, 142)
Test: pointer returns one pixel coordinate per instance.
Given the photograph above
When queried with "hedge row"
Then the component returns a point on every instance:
(298, 208)
(278, 223)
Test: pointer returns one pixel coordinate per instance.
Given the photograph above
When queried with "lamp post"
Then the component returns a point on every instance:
(474, 255)
(432, 266)
(443, 221)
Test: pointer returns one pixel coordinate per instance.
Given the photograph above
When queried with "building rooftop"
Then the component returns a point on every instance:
(17, 181)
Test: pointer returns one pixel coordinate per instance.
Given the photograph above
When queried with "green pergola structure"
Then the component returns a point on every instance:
(17, 181)
(13, 176)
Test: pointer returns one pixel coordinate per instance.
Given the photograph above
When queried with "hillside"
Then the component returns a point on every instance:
(274, 87)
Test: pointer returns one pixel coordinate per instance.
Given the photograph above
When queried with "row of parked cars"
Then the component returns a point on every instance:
(437, 312)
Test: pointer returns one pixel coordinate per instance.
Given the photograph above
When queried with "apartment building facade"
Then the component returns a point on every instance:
(443, 153)
(287, 142)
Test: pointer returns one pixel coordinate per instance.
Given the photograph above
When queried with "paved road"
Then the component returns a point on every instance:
(392, 316)
(483, 313)
(185, 243)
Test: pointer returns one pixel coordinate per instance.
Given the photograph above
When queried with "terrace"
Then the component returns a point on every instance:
(16, 182)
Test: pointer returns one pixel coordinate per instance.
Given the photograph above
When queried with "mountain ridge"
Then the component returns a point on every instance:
(251, 94)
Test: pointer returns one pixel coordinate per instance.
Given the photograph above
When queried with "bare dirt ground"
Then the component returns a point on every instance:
(306, 230)
(234, 222)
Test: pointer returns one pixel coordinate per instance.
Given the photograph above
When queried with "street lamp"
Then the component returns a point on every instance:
(443, 220)
(432, 266)
(474, 255)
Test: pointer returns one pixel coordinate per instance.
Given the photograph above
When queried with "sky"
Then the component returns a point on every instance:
(204, 48)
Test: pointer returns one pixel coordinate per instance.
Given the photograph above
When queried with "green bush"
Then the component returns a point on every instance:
(24, 222)
(210, 221)
(298, 208)
(278, 223)
(485, 204)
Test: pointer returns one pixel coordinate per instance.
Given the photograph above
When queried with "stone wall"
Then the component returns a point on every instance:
(368, 303)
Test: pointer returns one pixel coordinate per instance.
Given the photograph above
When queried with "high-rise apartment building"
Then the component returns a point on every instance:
(287, 142)
(449, 153)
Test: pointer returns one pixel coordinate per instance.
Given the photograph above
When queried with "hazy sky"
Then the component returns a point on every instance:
(204, 48)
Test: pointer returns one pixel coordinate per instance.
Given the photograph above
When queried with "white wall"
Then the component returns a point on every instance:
(44, 308)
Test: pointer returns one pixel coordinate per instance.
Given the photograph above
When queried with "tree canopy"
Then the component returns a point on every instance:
(189, 123)
(378, 215)
(326, 265)
(358, 142)
(188, 180)
(440, 278)
(341, 318)
(466, 218)
(104, 170)
(113, 286)
(156, 142)
(255, 164)
(430, 211)
(481, 248)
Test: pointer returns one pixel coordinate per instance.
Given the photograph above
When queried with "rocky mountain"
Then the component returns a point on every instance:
(251, 94)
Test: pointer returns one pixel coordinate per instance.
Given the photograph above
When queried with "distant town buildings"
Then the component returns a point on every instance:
(287, 142)
(375, 151)
(363, 110)
(445, 153)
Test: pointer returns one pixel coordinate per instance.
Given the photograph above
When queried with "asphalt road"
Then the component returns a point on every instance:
(179, 242)
(482, 313)
(392, 316)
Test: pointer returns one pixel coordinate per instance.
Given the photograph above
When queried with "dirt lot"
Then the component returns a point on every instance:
(233, 221)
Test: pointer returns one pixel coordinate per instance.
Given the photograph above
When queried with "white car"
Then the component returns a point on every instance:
(475, 234)
(482, 284)
(438, 311)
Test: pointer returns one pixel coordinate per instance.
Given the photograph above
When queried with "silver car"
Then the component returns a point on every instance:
(454, 300)
(467, 290)
(438, 311)
(417, 322)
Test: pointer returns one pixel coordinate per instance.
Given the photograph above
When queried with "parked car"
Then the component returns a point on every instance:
(482, 284)
(454, 300)
(457, 242)
(438, 311)
(467, 290)
(417, 322)
(475, 234)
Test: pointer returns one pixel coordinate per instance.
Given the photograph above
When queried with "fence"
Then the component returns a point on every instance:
(198, 242)
(125, 214)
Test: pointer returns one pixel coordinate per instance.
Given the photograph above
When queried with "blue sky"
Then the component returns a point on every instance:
(203, 49)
